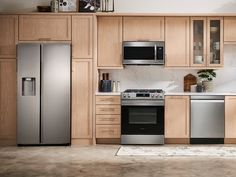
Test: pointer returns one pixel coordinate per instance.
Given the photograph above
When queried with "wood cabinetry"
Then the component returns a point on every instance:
(143, 28)
(44, 27)
(7, 102)
(177, 41)
(108, 110)
(8, 36)
(82, 99)
(229, 29)
(177, 116)
(82, 36)
(230, 117)
(109, 42)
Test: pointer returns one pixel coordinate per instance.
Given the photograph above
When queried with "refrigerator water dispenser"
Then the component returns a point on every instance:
(28, 86)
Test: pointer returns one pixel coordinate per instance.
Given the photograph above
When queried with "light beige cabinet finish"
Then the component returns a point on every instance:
(230, 116)
(44, 27)
(82, 36)
(177, 41)
(110, 42)
(8, 101)
(143, 28)
(82, 98)
(108, 110)
(229, 29)
(8, 36)
(177, 117)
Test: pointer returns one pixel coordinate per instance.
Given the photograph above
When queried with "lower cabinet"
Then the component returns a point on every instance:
(82, 129)
(108, 111)
(7, 102)
(177, 117)
(230, 119)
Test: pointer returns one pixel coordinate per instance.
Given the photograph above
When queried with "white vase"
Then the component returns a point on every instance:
(208, 86)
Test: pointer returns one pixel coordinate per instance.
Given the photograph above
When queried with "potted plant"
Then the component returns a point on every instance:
(207, 75)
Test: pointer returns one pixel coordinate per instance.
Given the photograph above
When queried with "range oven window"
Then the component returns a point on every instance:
(142, 115)
(142, 120)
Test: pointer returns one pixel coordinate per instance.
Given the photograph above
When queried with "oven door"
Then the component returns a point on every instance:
(142, 120)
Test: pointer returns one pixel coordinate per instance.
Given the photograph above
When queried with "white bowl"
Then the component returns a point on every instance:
(213, 29)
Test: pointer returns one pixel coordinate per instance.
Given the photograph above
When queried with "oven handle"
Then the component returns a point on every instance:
(142, 103)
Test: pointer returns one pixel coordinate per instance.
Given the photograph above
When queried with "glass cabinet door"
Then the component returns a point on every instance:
(215, 41)
(198, 41)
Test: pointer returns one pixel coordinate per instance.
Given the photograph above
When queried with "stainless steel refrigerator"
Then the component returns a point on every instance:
(43, 94)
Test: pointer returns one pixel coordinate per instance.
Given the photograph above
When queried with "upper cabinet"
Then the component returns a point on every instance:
(8, 36)
(82, 37)
(44, 27)
(206, 46)
(229, 29)
(143, 28)
(109, 42)
(177, 41)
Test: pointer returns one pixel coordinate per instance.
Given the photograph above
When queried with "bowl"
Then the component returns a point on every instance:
(213, 29)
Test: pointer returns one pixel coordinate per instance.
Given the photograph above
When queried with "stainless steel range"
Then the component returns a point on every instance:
(142, 116)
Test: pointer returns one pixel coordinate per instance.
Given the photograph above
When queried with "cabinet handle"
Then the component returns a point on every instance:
(108, 109)
(107, 99)
(44, 39)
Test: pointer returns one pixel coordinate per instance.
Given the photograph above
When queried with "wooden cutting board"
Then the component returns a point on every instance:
(188, 81)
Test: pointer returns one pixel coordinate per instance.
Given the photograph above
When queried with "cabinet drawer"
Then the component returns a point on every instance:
(107, 99)
(108, 109)
(107, 119)
(107, 131)
(44, 27)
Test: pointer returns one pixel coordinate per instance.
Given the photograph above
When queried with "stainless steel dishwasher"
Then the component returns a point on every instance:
(207, 120)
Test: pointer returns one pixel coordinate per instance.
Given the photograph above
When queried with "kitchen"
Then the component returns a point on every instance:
(96, 119)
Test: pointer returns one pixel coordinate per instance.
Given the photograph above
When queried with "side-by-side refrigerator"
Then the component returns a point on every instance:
(43, 94)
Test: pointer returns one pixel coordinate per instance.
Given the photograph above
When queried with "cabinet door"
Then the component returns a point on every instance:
(230, 117)
(177, 117)
(215, 42)
(177, 41)
(143, 28)
(109, 42)
(229, 29)
(8, 100)
(44, 27)
(82, 36)
(198, 51)
(8, 36)
(82, 98)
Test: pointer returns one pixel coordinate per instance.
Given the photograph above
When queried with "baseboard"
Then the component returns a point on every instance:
(177, 141)
(230, 140)
(81, 142)
(108, 141)
(206, 140)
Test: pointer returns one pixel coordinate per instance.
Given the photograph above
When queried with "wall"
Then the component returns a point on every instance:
(181, 6)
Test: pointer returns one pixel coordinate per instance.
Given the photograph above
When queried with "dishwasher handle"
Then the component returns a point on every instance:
(207, 101)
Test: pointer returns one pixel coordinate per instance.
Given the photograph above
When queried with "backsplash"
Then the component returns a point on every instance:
(172, 79)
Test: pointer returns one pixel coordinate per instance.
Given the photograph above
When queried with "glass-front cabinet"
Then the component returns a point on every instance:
(206, 42)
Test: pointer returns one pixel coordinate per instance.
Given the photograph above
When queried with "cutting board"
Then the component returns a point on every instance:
(188, 81)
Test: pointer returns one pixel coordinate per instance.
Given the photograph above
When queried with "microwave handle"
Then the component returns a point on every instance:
(155, 52)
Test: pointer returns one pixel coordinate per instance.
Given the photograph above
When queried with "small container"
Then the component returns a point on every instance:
(118, 86)
(200, 88)
(54, 5)
(114, 86)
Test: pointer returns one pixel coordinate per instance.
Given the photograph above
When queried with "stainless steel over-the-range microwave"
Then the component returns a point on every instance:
(143, 52)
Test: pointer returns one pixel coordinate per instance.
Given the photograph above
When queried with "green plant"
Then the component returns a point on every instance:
(207, 74)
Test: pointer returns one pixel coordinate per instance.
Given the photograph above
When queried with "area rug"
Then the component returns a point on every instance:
(172, 151)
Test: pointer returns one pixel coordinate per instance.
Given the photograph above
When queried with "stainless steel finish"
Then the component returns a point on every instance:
(154, 44)
(207, 117)
(28, 107)
(142, 102)
(55, 94)
(142, 139)
(43, 114)
(207, 97)
(154, 95)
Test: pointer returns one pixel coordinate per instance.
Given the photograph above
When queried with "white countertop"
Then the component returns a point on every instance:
(200, 93)
(108, 93)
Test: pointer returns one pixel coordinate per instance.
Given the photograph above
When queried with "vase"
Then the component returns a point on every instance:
(208, 86)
